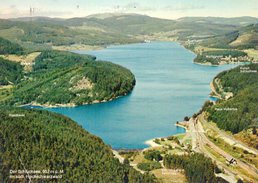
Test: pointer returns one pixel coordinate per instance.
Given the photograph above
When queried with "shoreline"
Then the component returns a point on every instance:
(84, 47)
(79, 47)
(205, 64)
(209, 63)
(182, 126)
(151, 143)
(212, 87)
(34, 104)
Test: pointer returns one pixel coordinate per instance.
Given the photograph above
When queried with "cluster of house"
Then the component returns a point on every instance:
(230, 58)
(237, 59)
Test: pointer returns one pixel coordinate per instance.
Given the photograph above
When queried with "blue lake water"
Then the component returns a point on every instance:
(168, 88)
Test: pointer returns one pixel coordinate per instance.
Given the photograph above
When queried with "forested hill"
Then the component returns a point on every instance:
(247, 38)
(42, 32)
(69, 79)
(41, 140)
(37, 35)
(240, 111)
(10, 72)
(241, 38)
(8, 47)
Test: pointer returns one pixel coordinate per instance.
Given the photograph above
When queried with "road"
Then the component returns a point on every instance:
(199, 141)
(118, 156)
(214, 90)
(228, 138)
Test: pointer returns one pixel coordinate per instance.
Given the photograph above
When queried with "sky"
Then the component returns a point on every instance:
(169, 9)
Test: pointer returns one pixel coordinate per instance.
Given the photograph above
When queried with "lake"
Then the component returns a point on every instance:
(169, 86)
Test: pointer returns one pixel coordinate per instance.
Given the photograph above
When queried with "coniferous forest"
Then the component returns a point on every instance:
(10, 72)
(42, 140)
(8, 47)
(68, 78)
(35, 139)
(245, 90)
(197, 167)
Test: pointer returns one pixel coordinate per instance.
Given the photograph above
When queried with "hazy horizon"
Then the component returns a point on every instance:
(166, 9)
(124, 14)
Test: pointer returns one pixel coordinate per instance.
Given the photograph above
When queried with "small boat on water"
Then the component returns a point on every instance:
(147, 41)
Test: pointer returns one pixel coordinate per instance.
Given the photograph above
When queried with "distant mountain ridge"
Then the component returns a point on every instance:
(117, 28)
(222, 20)
(239, 21)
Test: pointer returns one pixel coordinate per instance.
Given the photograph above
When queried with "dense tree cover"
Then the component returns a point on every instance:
(214, 57)
(222, 41)
(41, 140)
(10, 72)
(175, 161)
(198, 168)
(7, 47)
(209, 60)
(64, 77)
(49, 60)
(225, 53)
(148, 166)
(205, 106)
(245, 89)
(152, 155)
(243, 115)
(234, 81)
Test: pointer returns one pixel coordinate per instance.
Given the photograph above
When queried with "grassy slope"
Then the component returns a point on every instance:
(42, 140)
(247, 39)
(243, 38)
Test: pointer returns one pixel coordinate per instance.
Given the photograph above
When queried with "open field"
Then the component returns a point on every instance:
(25, 60)
(252, 53)
(199, 49)
(169, 176)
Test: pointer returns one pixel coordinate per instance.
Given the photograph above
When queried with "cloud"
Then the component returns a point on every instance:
(130, 7)
(13, 6)
(183, 7)
(138, 7)
(53, 13)
(13, 12)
